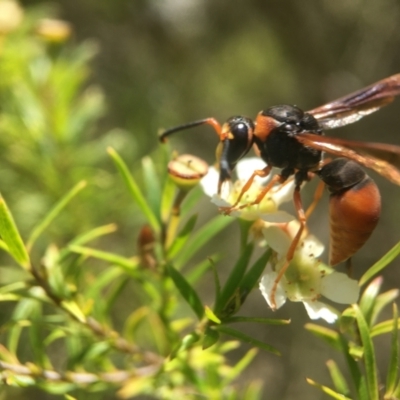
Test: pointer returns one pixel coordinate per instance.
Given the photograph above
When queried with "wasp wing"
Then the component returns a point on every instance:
(345, 148)
(356, 105)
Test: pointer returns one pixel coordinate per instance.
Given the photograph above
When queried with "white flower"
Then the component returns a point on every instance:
(268, 207)
(305, 279)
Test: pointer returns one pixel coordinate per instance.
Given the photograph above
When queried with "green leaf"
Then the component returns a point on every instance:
(369, 355)
(4, 246)
(10, 297)
(211, 316)
(337, 378)
(13, 287)
(330, 336)
(182, 237)
(152, 183)
(253, 391)
(393, 370)
(266, 321)
(21, 317)
(36, 339)
(361, 384)
(7, 356)
(231, 288)
(135, 386)
(129, 265)
(201, 268)
(14, 335)
(382, 301)
(379, 265)
(87, 237)
(103, 279)
(254, 273)
(328, 391)
(20, 381)
(56, 388)
(191, 200)
(134, 190)
(357, 352)
(247, 339)
(73, 309)
(54, 212)
(97, 351)
(396, 393)
(347, 321)
(187, 342)
(353, 366)
(201, 237)
(54, 273)
(133, 322)
(211, 337)
(55, 335)
(383, 328)
(368, 299)
(113, 294)
(167, 199)
(240, 366)
(11, 237)
(245, 227)
(217, 283)
(188, 293)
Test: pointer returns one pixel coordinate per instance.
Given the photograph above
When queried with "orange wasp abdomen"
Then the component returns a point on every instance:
(354, 208)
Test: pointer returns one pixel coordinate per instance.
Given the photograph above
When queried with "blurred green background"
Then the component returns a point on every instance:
(163, 63)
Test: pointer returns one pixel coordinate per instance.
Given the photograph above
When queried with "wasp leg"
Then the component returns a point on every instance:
(349, 267)
(258, 172)
(319, 191)
(289, 256)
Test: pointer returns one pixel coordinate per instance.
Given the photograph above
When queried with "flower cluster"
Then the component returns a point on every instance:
(306, 279)
(267, 210)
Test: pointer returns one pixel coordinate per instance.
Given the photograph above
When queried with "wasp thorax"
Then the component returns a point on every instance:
(292, 119)
(284, 113)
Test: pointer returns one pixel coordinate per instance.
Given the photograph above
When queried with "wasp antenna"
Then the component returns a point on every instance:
(209, 121)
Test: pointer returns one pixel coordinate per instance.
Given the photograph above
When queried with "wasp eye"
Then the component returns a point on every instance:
(240, 130)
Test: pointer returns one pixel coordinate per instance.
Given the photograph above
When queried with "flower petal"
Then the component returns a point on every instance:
(267, 283)
(339, 288)
(312, 247)
(277, 217)
(247, 166)
(283, 193)
(215, 199)
(210, 186)
(316, 309)
(277, 239)
(210, 182)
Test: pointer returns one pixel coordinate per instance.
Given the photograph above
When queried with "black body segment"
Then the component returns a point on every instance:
(275, 136)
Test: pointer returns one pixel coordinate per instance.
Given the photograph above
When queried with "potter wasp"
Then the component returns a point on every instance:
(292, 140)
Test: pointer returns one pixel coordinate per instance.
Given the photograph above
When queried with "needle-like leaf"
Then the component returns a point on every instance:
(11, 237)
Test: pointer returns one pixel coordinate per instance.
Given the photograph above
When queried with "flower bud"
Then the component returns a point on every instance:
(54, 30)
(145, 243)
(187, 170)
